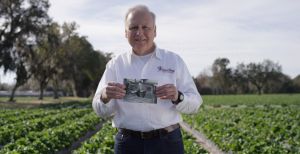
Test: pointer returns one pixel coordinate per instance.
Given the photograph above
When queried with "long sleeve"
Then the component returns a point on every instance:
(108, 109)
(185, 84)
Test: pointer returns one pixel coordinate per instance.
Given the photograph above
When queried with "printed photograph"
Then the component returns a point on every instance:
(140, 91)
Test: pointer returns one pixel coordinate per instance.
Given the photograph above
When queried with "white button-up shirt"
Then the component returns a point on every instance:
(164, 67)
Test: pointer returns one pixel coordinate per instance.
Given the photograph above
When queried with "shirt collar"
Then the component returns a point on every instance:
(157, 54)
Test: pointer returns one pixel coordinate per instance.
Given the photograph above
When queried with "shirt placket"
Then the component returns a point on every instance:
(146, 73)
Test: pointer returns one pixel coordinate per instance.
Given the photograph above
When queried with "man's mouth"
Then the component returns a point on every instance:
(140, 40)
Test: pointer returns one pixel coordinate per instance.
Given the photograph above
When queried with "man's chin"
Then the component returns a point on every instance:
(140, 51)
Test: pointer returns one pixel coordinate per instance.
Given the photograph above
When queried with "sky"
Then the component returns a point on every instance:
(200, 31)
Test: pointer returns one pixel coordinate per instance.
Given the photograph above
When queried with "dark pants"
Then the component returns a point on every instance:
(170, 143)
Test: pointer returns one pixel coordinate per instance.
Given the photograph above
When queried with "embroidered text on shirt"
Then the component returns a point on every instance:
(160, 68)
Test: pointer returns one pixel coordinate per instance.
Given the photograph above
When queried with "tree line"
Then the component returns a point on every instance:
(251, 78)
(43, 53)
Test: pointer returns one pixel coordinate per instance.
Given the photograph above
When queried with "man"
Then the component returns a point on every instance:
(146, 127)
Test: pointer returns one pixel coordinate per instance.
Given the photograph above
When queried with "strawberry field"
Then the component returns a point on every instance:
(254, 127)
(55, 128)
(235, 124)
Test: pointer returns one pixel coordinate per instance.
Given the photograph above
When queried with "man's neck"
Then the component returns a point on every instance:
(143, 53)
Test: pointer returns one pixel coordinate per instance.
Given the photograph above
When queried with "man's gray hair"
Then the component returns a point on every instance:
(138, 8)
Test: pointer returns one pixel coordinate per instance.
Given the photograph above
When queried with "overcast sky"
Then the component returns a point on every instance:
(199, 31)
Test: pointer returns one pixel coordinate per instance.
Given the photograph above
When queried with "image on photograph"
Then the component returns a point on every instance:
(140, 91)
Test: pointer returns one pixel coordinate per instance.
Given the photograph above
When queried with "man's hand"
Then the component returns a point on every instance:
(113, 91)
(167, 91)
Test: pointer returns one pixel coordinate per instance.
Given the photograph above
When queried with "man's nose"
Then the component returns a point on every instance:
(140, 31)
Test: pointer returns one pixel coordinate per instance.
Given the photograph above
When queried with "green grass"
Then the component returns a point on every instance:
(267, 99)
(33, 102)
(45, 99)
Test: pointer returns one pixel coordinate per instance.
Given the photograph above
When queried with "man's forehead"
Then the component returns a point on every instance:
(139, 14)
(139, 18)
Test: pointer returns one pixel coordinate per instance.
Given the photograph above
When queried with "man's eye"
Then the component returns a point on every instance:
(146, 28)
(133, 28)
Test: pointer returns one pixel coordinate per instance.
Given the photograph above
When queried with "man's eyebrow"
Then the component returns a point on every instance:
(132, 27)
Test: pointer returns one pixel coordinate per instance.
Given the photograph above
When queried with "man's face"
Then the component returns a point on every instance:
(140, 31)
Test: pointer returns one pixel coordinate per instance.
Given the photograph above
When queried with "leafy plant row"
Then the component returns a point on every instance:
(7, 113)
(250, 130)
(103, 142)
(54, 139)
(11, 132)
(191, 146)
(4, 113)
(22, 116)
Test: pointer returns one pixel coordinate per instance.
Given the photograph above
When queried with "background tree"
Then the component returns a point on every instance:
(221, 75)
(240, 79)
(274, 75)
(21, 21)
(296, 83)
(43, 63)
(203, 83)
(284, 84)
(82, 65)
(21, 50)
(262, 77)
(263, 74)
(256, 76)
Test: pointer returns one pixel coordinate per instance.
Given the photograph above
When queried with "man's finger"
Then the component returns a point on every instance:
(115, 87)
(115, 94)
(122, 86)
(111, 83)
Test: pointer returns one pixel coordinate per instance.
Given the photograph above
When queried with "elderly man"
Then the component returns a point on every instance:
(148, 124)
